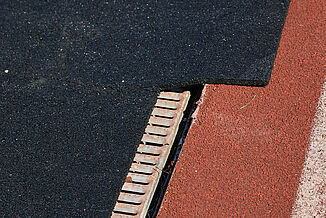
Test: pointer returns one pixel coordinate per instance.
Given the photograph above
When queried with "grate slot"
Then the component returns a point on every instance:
(145, 159)
(141, 169)
(148, 149)
(164, 113)
(133, 188)
(147, 153)
(136, 178)
(141, 181)
(127, 209)
(154, 139)
(130, 198)
(170, 96)
(157, 130)
(153, 144)
(160, 121)
(166, 104)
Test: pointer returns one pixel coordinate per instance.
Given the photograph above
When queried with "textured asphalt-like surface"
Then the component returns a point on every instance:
(247, 162)
(145, 44)
(79, 80)
(65, 149)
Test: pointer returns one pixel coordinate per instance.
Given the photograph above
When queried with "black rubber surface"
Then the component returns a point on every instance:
(65, 148)
(78, 81)
(151, 43)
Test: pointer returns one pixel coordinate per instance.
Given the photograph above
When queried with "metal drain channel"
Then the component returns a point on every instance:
(152, 153)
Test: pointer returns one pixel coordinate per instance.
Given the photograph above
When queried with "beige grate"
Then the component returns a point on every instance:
(146, 169)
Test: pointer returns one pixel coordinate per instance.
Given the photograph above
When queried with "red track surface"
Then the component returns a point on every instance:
(247, 162)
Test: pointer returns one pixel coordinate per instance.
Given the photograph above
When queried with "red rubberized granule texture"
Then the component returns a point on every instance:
(247, 162)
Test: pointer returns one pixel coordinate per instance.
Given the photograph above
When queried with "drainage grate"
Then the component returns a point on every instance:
(151, 155)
